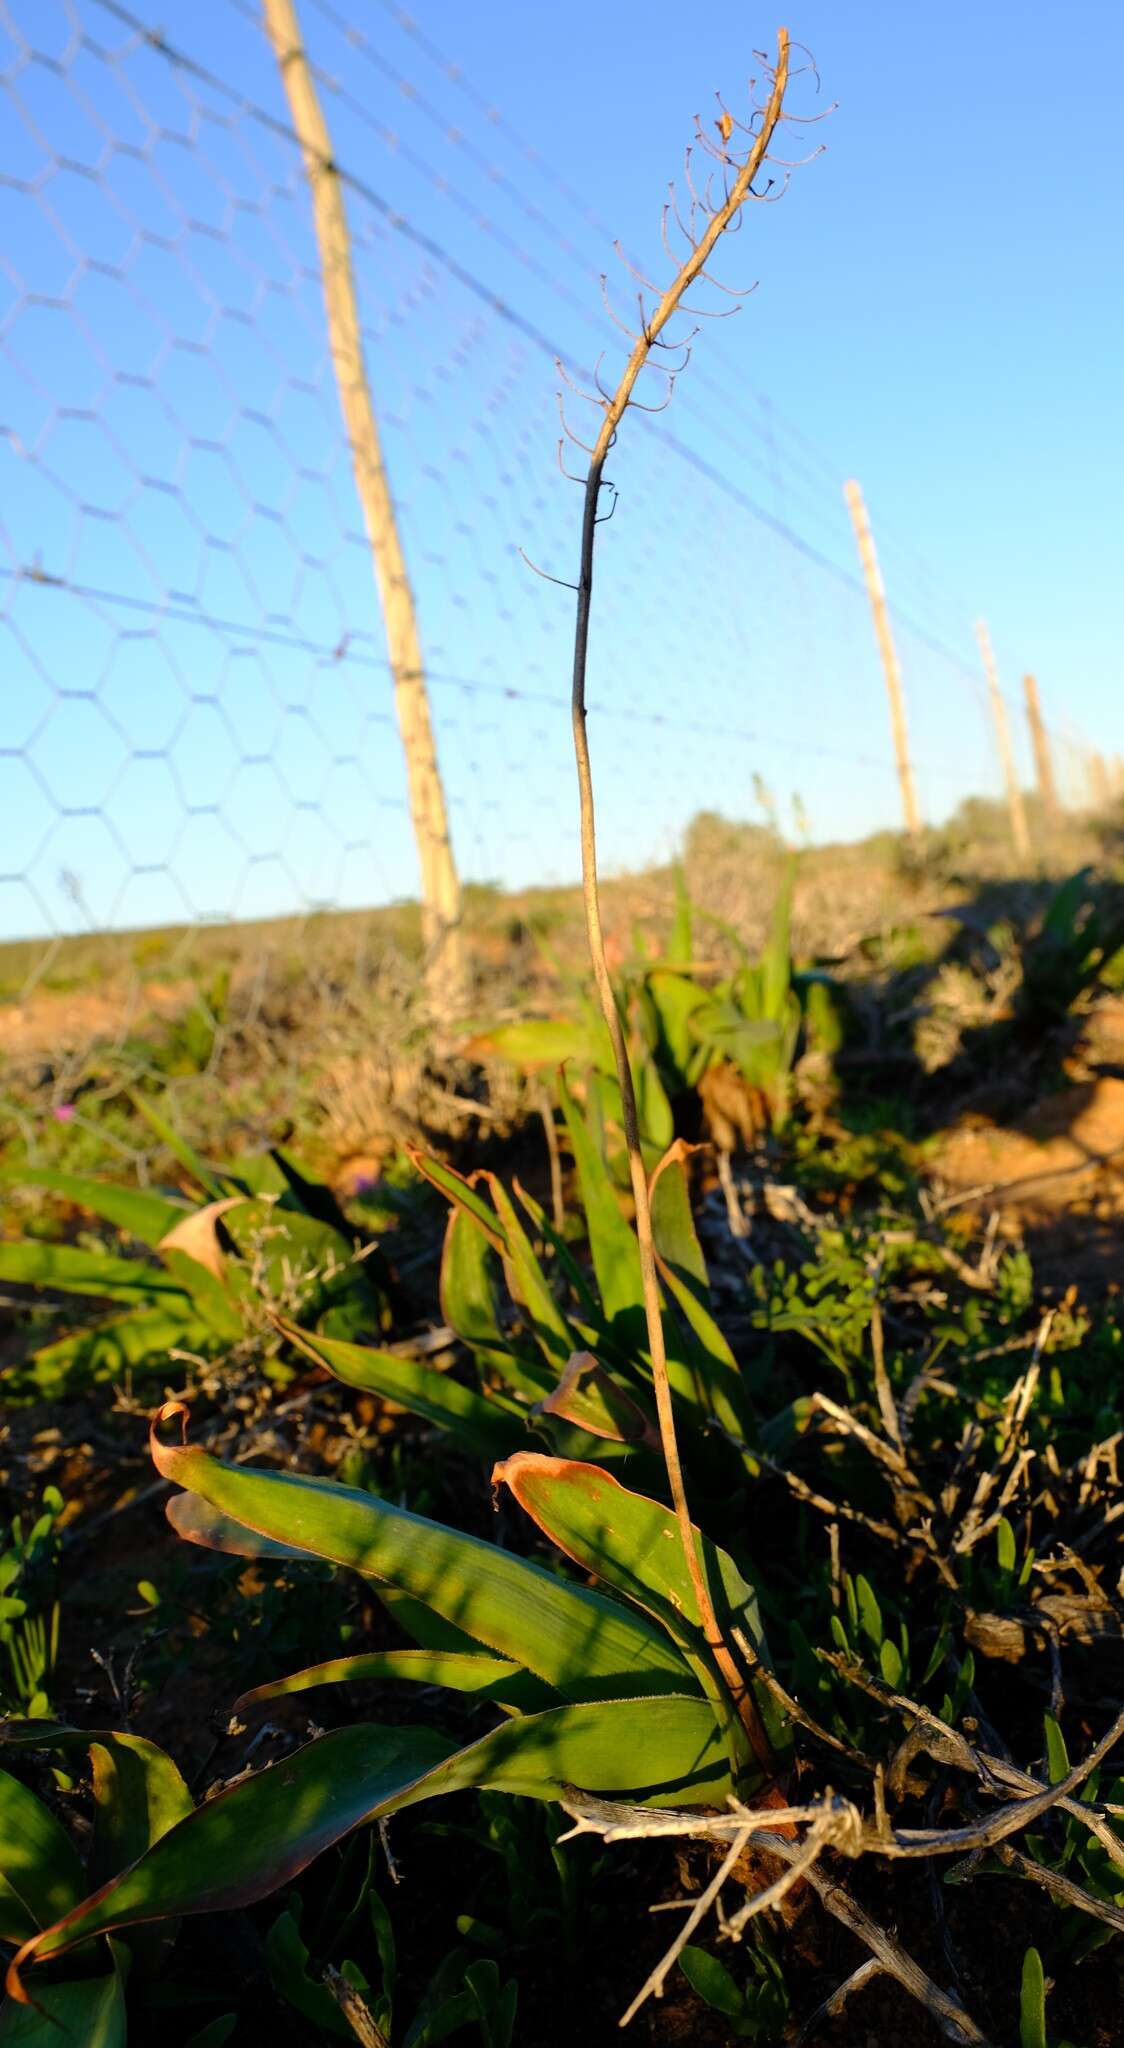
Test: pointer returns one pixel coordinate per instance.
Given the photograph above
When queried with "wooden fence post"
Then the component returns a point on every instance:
(1015, 806)
(1043, 767)
(441, 898)
(876, 591)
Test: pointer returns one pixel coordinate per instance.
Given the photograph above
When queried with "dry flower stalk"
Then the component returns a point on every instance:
(738, 175)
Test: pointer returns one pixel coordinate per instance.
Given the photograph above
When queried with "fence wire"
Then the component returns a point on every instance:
(197, 725)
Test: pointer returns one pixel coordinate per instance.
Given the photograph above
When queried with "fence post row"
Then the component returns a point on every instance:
(1015, 806)
(1043, 766)
(441, 899)
(876, 591)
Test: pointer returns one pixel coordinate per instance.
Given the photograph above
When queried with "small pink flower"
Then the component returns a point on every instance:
(63, 1112)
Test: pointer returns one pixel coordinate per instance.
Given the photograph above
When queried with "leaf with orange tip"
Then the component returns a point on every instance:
(196, 1521)
(592, 1400)
(631, 1543)
(585, 1644)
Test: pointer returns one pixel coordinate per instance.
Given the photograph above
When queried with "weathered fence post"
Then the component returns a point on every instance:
(1043, 766)
(441, 898)
(1015, 806)
(891, 668)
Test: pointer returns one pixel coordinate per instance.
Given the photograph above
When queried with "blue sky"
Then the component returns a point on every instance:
(198, 721)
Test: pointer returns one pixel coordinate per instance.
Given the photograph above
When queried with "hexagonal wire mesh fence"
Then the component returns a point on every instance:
(207, 847)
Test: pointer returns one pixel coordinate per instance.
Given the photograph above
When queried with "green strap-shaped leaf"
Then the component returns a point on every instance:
(196, 1521)
(216, 2034)
(208, 1295)
(673, 1225)
(714, 1983)
(616, 1259)
(41, 1875)
(287, 1960)
(592, 1400)
(490, 1678)
(657, 1122)
(33, 1263)
(528, 1284)
(294, 1252)
(276, 1173)
(429, 1630)
(137, 1341)
(1032, 2002)
(139, 1794)
(674, 999)
(533, 1042)
(144, 1215)
(259, 1834)
(683, 1270)
(633, 1544)
(483, 1425)
(248, 1840)
(468, 1283)
(582, 1643)
(469, 1303)
(258, 1173)
(566, 1264)
(612, 1242)
(456, 1189)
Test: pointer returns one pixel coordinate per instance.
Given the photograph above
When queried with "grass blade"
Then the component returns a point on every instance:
(214, 1185)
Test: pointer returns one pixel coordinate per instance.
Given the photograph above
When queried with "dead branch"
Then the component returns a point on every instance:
(835, 1825)
(1061, 1888)
(355, 2011)
(832, 1823)
(833, 2005)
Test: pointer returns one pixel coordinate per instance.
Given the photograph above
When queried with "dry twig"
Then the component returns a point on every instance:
(355, 2010)
(837, 1824)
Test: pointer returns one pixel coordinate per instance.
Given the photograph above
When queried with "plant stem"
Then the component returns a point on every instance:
(614, 410)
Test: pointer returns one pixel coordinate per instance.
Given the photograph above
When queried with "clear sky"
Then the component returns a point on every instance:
(196, 717)
(941, 301)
